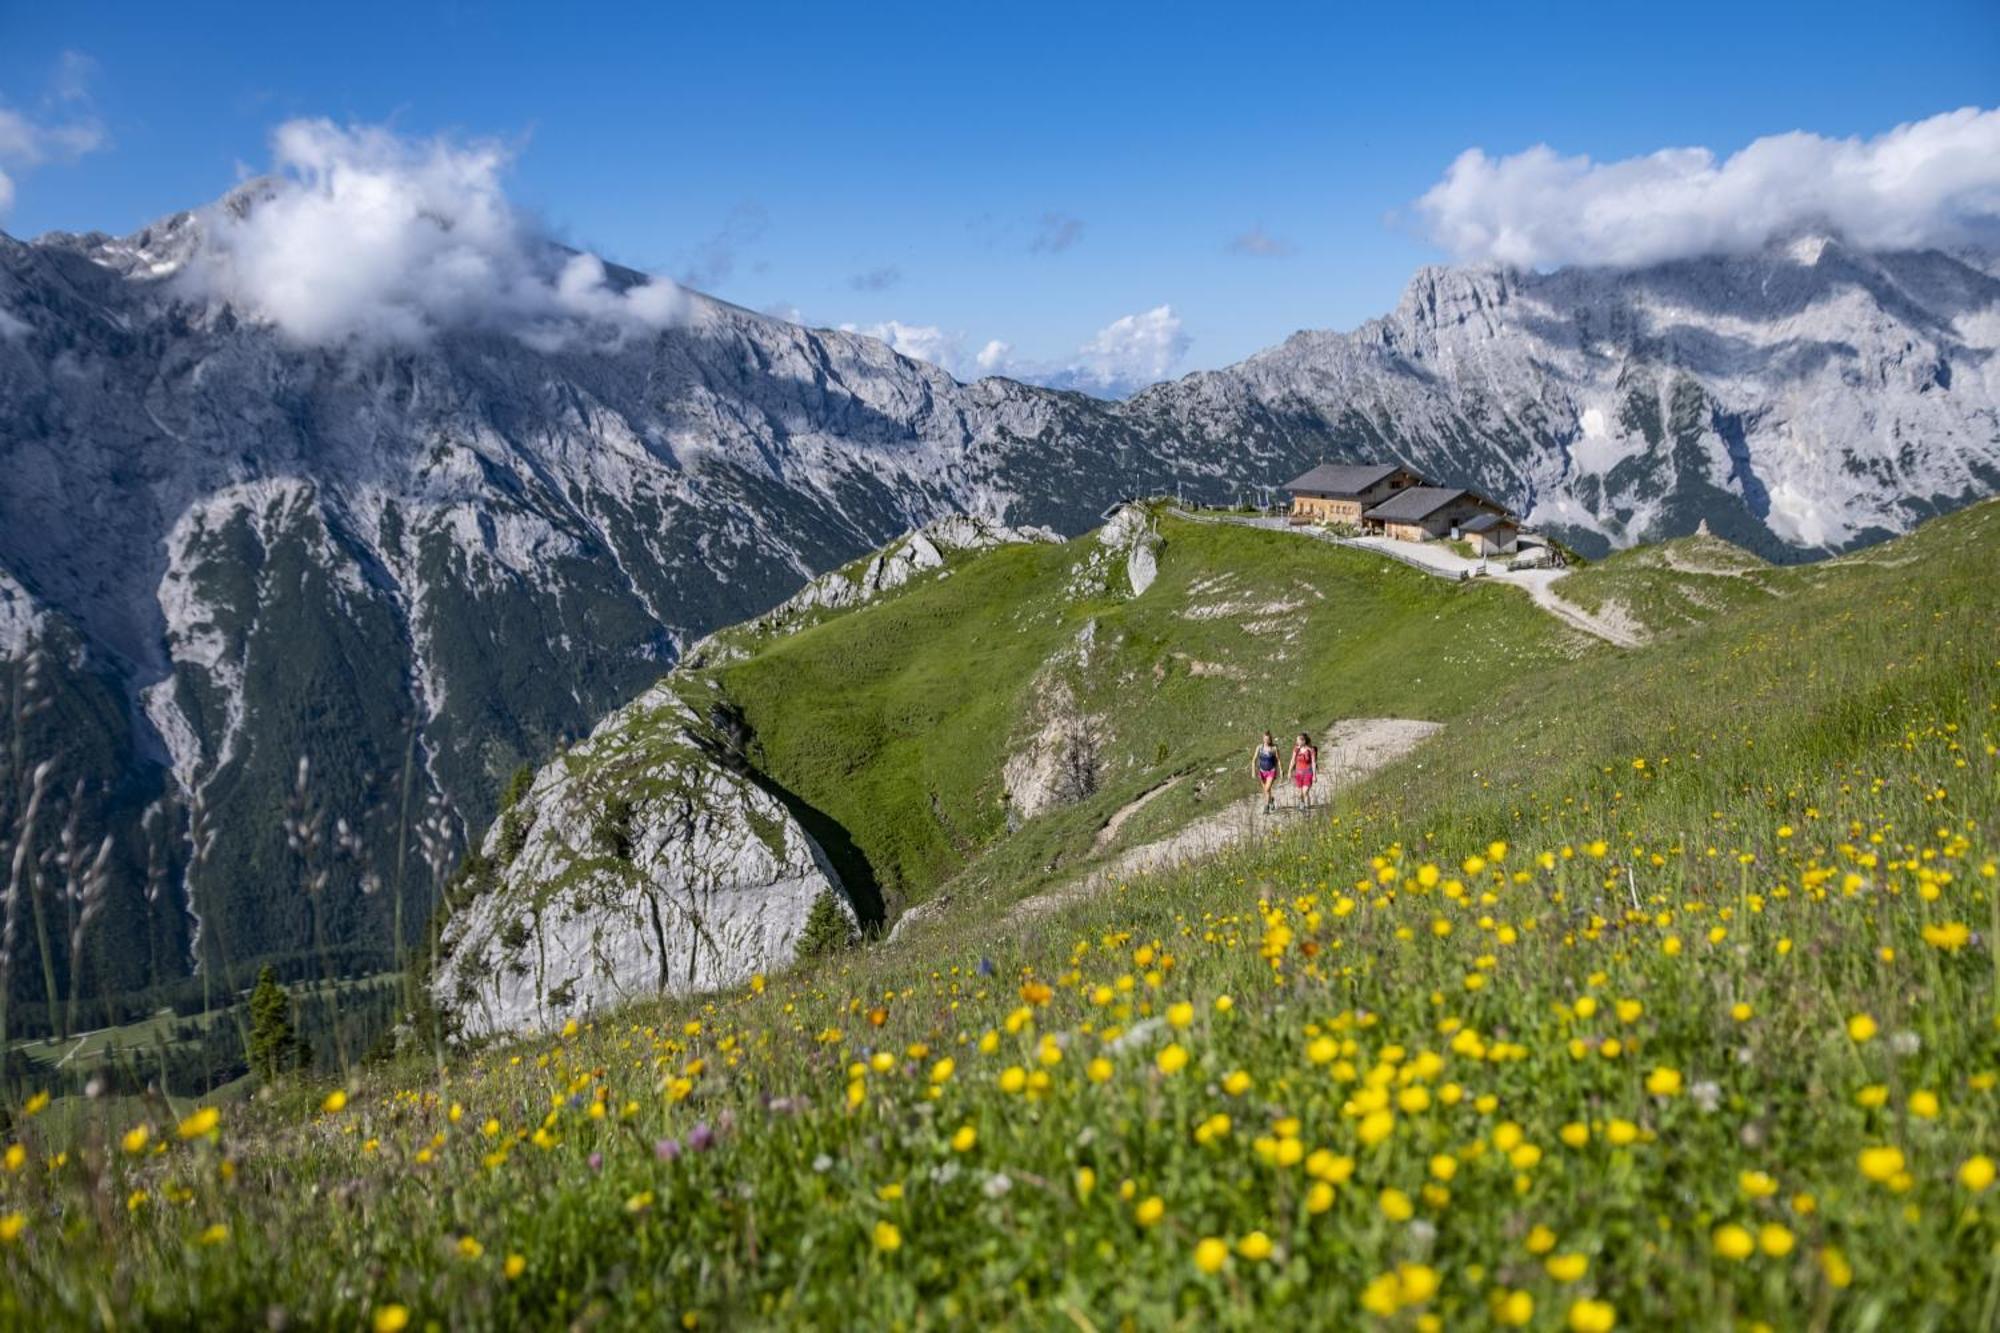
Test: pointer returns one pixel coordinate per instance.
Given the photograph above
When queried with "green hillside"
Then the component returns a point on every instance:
(1659, 991)
(896, 719)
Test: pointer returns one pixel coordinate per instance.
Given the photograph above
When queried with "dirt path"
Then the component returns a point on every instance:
(1610, 624)
(1109, 833)
(1351, 750)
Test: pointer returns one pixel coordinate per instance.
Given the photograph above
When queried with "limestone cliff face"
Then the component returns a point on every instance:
(635, 865)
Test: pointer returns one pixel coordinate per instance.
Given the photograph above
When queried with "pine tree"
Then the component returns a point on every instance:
(274, 1043)
(827, 929)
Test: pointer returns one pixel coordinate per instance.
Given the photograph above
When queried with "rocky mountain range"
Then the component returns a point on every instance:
(1801, 400)
(277, 621)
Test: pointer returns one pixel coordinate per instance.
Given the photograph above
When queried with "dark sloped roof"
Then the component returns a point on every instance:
(1415, 504)
(1342, 479)
(1484, 522)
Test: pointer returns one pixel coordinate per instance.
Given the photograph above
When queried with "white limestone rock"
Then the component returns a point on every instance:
(1130, 530)
(716, 883)
(1060, 760)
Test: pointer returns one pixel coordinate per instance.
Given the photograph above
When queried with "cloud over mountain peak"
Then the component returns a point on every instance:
(1933, 182)
(366, 235)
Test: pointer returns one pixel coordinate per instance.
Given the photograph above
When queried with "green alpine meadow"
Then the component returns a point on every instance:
(1654, 987)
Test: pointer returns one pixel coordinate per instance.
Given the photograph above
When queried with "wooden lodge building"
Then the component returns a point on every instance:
(1338, 493)
(1491, 534)
(1394, 502)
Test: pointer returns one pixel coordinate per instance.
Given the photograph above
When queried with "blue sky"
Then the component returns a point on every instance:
(1026, 173)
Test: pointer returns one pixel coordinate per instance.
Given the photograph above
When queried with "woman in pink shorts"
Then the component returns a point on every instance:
(1264, 764)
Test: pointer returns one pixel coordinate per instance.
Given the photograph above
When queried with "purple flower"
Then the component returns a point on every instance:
(596, 1160)
(667, 1150)
(701, 1138)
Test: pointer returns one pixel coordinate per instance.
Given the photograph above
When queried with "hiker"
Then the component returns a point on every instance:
(1266, 768)
(1305, 768)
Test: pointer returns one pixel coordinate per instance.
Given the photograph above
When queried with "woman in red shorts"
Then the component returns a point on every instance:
(1305, 768)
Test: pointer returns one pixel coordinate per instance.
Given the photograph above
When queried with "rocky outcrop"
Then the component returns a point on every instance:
(1059, 765)
(1131, 532)
(635, 865)
(1060, 761)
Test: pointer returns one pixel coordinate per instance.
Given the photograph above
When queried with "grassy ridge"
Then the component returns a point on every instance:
(897, 719)
(1669, 1001)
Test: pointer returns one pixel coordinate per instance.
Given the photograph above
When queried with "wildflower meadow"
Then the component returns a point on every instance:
(1677, 1008)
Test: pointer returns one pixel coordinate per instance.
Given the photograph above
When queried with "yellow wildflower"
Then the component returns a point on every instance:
(1881, 1164)
(1566, 1267)
(202, 1122)
(1733, 1242)
(1589, 1316)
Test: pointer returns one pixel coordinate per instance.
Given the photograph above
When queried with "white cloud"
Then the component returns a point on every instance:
(1930, 182)
(363, 234)
(1121, 358)
(1127, 354)
(29, 143)
(26, 142)
(923, 342)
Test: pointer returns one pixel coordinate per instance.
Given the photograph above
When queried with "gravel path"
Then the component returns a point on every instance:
(1352, 750)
